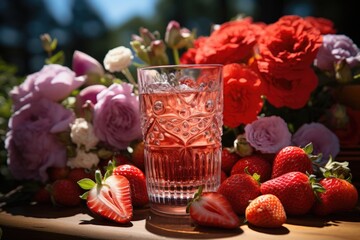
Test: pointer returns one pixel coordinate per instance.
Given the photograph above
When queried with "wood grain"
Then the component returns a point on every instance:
(48, 222)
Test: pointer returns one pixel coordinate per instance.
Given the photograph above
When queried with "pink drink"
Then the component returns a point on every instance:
(182, 129)
(182, 147)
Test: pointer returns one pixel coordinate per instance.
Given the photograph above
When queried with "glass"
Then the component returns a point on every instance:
(181, 118)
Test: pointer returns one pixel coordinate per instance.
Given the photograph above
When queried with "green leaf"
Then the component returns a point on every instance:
(86, 183)
(84, 195)
(53, 45)
(308, 148)
(58, 58)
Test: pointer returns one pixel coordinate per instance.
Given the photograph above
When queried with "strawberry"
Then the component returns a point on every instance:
(295, 191)
(254, 164)
(228, 159)
(42, 195)
(266, 211)
(340, 194)
(77, 174)
(293, 159)
(109, 197)
(239, 189)
(223, 176)
(65, 192)
(56, 173)
(136, 177)
(138, 155)
(117, 158)
(212, 209)
(121, 159)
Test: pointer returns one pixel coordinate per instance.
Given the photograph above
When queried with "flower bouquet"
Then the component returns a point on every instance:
(284, 86)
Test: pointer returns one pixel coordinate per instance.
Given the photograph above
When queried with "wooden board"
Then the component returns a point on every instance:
(48, 222)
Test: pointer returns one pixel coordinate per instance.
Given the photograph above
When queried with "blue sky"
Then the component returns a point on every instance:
(113, 12)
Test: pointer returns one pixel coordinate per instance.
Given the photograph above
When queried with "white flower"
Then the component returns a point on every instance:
(82, 134)
(83, 159)
(118, 59)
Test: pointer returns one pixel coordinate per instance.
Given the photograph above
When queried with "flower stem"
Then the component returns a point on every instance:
(129, 76)
(176, 55)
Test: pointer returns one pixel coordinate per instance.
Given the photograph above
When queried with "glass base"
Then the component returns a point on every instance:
(168, 209)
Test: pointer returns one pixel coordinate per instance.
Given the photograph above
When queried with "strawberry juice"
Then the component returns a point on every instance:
(182, 135)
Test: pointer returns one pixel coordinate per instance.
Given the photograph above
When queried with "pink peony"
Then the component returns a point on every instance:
(31, 142)
(53, 82)
(268, 134)
(324, 141)
(117, 116)
(87, 94)
(84, 64)
(335, 48)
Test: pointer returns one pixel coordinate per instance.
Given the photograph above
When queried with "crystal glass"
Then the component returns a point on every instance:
(181, 118)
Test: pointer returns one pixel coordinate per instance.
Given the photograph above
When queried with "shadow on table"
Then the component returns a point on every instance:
(51, 211)
(330, 220)
(139, 214)
(182, 227)
(273, 231)
(44, 211)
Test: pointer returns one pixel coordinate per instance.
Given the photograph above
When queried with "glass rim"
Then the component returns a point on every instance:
(181, 66)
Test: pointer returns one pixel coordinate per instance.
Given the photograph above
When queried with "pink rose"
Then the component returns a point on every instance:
(87, 94)
(31, 142)
(83, 64)
(117, 116)
(324, 141)
(53, 82)
(268, 134)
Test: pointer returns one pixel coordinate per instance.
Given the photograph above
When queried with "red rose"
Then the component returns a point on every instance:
(287, 45)
(287, 50)
(188, 57)
(242, 95)
(325, 26)
(232, 42)
(292, 92)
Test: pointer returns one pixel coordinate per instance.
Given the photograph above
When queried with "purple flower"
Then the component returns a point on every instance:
(117, 116)
(324, 141)
(84, 64)
(268, 134)
(87, 94)
(53, 82)
(334, 49)
(31, 142)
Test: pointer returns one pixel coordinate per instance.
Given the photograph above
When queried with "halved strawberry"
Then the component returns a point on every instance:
(139, 194)
(213, 210)
(109, 197)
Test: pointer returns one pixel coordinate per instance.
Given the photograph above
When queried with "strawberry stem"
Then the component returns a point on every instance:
(336, 169)
(315, 185)
(196, 197)
(98, 177)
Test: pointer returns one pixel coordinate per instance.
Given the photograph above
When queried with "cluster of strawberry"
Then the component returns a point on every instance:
(63, 188)
(266, 189)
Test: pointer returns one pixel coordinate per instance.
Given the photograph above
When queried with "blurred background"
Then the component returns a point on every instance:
(95, 26)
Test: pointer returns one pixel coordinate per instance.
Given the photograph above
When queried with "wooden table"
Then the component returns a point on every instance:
(48, 222)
